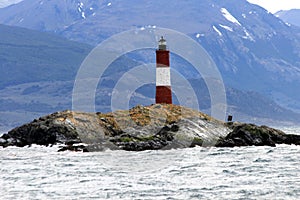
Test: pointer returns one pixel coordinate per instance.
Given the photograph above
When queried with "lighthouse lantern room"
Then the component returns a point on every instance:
(163, 74)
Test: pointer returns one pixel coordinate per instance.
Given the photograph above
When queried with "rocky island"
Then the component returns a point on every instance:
(159, 126)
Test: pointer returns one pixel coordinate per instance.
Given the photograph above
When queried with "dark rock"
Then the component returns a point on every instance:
(77, 148)
(136, 140)
(42, 131)
(72, 142)
(196, 142)
(252, 135)
(174, 128)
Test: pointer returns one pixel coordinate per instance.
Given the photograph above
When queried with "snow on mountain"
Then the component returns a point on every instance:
(229, 17)
(219, 32)
(226, 27)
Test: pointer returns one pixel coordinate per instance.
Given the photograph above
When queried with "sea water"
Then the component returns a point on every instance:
(198, 173)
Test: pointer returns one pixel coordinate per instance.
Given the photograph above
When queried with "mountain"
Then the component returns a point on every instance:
(21, 103)
(290, 16)
(28, 56)
(256, 53)
(254, 50)
(30, 60)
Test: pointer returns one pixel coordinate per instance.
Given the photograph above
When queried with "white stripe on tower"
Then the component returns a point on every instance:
(163, 76)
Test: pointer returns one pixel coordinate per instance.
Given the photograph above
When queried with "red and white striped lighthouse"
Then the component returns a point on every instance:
(163, 74)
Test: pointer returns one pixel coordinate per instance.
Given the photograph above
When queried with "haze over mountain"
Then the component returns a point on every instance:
(35, 71)
(257, 53)
(290, 16)
(27, 56)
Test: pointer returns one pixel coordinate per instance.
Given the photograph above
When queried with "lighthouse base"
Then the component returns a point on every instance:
(163, 95)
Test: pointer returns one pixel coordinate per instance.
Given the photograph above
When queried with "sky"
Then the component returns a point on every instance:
(276, 5)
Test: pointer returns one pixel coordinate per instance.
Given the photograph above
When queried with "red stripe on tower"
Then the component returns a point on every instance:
(163, 74)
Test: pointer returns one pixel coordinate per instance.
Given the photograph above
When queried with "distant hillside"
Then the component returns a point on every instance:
(290, 16)
(257, 54)
(254, 50)
(29, 60)
(31, 56)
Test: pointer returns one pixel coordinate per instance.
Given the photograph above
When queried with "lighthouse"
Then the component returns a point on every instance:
(163, 74)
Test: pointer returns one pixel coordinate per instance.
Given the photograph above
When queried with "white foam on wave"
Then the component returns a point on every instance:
(215, 173)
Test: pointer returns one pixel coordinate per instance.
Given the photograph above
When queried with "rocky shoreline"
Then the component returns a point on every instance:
(141, 128)
(243, 134)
